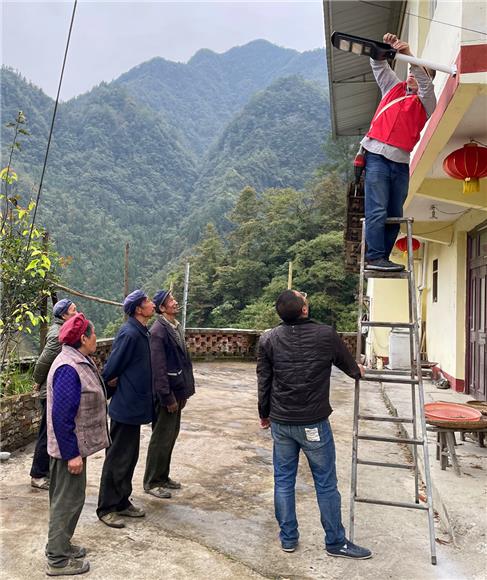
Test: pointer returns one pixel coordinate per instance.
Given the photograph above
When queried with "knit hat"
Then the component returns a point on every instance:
(160, 298)
(133, 300)
(61, 307)
(73, 329)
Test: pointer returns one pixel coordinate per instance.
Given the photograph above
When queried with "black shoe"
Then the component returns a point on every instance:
(289, 547)
(171, 484)
(383, 265)
(350, 550)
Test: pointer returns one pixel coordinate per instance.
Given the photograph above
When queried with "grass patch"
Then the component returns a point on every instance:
(15, 382)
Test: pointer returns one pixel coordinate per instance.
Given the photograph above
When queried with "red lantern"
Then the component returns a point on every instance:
(468, 163)
(402, 244)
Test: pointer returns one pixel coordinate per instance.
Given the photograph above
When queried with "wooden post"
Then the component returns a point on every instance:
(43, 305)
(185, 295)
(290, 276)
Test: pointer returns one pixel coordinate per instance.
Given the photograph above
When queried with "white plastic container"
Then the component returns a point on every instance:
(399, 357)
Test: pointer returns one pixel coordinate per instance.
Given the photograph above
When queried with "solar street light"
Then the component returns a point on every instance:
(382, 51)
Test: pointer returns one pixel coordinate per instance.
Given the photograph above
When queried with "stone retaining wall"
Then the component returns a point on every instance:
(19, 420)
(19, 414)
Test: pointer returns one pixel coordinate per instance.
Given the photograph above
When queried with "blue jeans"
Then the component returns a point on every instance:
(288, 441)
(386, 189)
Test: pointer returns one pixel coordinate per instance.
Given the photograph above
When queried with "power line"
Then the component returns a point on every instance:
(426, 18)
(51, 128)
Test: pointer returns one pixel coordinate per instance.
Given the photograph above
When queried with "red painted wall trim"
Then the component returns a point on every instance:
(457, 385)
(471, 59)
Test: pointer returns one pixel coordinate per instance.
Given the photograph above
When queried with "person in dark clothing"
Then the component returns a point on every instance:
(173, 384)
(63, 310)
(293, 372)
(76, 428)
(131, 406)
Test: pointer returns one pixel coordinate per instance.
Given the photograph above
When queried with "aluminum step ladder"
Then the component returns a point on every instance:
(412, 377)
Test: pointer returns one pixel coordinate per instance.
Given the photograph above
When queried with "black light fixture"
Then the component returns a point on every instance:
(382, 51)
(362, 46)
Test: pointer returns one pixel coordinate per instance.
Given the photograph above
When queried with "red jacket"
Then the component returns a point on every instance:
(401, 120)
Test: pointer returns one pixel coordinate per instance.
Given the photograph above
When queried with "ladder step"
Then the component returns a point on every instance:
(404, 275)
(391, 439)
(386, 418)
(372, 324)
(416, 506)
(381, 464)
(387, 378)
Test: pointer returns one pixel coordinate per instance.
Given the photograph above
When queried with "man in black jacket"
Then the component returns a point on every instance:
(293, 370)
(173, 384)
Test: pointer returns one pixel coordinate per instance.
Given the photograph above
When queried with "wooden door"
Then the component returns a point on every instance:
(476, 363)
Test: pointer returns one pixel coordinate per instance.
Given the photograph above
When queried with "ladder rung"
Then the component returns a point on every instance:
(404, 274)
(381, 464)
(416, 506)
(386, 418)
(399, 220)
(391, 439)
(386, 378)
(371, 323)
(386, 372)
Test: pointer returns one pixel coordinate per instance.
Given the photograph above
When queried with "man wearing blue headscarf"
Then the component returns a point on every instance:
(129, 365)
(63, 310)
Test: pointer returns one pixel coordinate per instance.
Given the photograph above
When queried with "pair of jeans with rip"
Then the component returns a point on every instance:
(386, 189)
(317, 443)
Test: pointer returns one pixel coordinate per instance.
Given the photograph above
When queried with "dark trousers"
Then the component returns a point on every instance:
(66, 500)
(165, 431)
(40, 461)
(386, 189)
(118, 469)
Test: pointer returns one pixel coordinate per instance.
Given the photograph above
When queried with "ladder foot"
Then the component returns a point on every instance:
(433, 560)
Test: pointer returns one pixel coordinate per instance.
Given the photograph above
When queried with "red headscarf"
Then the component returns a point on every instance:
(73, 329)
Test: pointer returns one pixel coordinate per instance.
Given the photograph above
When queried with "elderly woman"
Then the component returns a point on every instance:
(76, 427)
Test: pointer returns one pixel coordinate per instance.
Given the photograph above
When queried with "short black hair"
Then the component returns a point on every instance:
(289, 305)
(88, 332)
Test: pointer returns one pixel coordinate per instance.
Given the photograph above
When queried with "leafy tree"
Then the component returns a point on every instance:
(27, 273)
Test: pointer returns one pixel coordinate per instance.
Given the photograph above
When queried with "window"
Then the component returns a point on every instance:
(435, 280)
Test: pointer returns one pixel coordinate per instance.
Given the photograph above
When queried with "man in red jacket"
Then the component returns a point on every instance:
(395, 129)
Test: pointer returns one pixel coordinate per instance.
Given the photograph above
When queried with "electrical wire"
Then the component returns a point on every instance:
(426, 18)
(38, 196)
(451, 212)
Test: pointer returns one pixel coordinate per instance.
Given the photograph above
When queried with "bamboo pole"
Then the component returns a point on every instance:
(43, 307)
(88, 296)
(290, 276)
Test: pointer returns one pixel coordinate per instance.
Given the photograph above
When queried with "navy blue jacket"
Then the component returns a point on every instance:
(130, 362)
(173, 378)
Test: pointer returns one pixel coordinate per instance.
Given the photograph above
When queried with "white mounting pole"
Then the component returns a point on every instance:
(185, 295)
(451, 70)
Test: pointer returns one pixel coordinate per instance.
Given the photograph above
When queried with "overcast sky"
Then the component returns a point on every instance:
(111, 37)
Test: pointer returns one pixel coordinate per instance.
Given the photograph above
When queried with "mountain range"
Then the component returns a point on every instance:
(158, 153)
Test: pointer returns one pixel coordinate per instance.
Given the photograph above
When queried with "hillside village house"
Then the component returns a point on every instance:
(451, 264)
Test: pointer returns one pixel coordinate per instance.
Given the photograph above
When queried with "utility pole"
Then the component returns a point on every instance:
(126, 271)
(185, 294)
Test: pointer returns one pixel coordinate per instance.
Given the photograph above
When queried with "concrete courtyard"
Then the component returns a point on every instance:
(221, 524)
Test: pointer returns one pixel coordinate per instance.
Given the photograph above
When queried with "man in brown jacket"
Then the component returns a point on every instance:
(173, 384)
